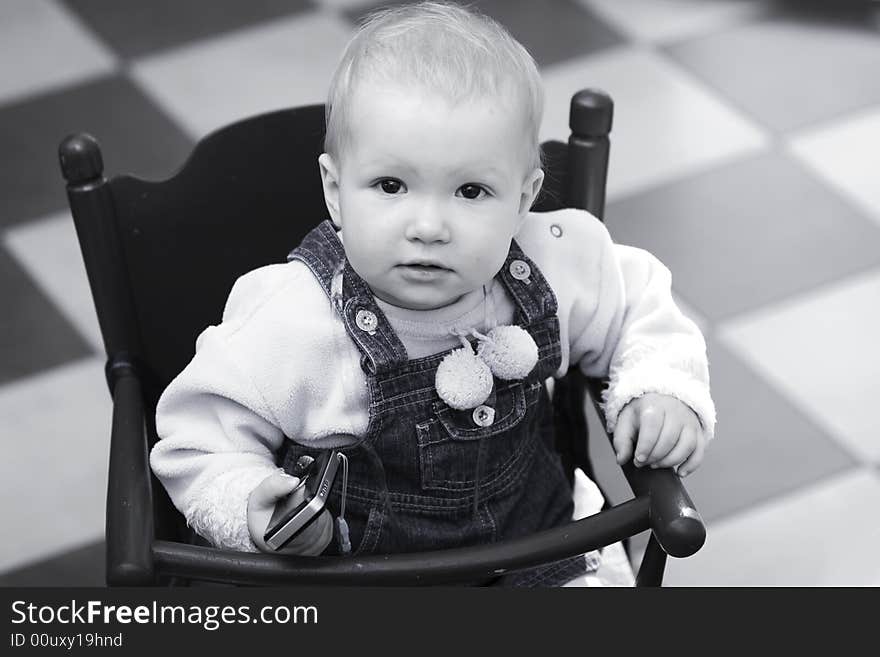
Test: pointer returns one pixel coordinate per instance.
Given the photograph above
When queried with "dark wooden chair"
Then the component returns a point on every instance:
(161, 258)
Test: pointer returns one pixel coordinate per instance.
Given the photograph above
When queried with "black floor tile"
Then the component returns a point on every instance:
(134, 27)
(33, 335)
(764, 446)
(747, 234)
(553, 31)
(135, 135)
(789, 74)
(853, 14)
(80, 567)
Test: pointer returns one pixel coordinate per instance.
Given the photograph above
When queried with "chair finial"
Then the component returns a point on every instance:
(80, 157)
(591, 113)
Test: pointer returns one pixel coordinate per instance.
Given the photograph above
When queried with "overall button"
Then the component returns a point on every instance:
(556, 230)
(520, 270)
(484, 416)
(366, 320)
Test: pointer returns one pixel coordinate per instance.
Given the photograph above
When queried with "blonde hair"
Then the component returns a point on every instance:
(439, 47)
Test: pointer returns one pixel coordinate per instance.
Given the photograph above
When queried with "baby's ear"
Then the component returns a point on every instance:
(330, 183)
(529, 192)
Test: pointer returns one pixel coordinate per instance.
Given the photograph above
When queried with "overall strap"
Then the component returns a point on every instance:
(322, 252)
(534, 298)
(366, 324)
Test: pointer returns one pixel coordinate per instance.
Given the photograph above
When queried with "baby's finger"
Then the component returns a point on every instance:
(650, 424)
(624, 434)
(685, 446)
(271, 489)
(261, 504)
(666, 442)
(694, 460)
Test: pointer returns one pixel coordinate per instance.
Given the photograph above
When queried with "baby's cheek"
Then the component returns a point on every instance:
(490, 258)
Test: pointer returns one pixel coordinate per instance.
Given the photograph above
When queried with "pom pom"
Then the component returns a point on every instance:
(509, 351)
(463, 380)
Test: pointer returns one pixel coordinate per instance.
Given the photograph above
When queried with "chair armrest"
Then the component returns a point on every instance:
(129, 529)
(674, 520)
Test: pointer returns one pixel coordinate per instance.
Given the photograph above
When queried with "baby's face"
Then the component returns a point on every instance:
(428, 195)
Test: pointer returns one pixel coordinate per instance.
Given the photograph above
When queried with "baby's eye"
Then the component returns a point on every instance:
(472, 191)
(391, 186)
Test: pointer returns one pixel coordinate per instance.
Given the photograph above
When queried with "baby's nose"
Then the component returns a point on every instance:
(429, 225)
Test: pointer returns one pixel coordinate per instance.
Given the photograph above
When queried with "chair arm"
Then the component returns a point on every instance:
(675, 521)
(457, 565)
(129, 530)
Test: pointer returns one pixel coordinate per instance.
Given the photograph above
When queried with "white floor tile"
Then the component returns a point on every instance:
(824, 535)
(665, 20)
(820, 350)
(666, 125)
(210, 83)
(48, 250)
(847, 155)
(45, 46)
(55, 430)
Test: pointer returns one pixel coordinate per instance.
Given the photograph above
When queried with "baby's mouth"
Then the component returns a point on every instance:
(424, 265)
(419, 271)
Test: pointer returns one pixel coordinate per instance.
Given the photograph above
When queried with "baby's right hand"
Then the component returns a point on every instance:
(261, 505)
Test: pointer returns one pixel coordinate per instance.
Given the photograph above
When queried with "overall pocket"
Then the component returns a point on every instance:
(450, 440)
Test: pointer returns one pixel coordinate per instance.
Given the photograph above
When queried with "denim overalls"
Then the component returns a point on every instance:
(427, 476)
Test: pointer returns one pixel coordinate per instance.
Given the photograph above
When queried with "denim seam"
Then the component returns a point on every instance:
(490, 517)
(372, 530)
(503, 480)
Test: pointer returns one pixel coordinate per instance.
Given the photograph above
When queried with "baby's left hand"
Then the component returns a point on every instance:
(669, 434)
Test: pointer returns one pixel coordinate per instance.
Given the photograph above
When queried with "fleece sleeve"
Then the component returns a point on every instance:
(625, 325)
(217, 435)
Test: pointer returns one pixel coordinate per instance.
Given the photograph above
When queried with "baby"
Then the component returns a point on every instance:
(416, 331)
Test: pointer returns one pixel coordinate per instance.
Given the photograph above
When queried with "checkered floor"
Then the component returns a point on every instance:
(746, 155)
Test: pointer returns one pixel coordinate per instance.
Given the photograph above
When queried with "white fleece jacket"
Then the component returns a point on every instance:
(281, 364)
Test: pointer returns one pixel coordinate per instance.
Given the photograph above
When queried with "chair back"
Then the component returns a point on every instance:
(246, 196)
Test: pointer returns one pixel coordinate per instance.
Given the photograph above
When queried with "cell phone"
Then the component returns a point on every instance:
(292, 518)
